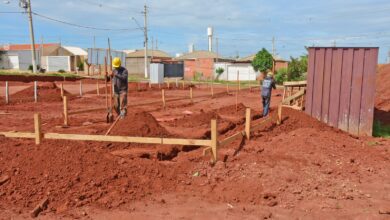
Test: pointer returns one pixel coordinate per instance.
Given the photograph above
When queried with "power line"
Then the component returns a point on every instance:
(83, 26)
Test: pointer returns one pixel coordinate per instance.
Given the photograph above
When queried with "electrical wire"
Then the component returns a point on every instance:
(83, 26)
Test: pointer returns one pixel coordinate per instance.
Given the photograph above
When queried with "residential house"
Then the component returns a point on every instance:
(135, 61)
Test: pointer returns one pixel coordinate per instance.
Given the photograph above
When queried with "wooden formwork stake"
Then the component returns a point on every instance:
(150, 85)
(37, 126)
(35, 91)
(163, 98)
(183, 84)
(236, 100)
(168, 84)
(62, 90)
(212, 89)
(279, 121)
(159, 86)
(177, 84)
(6, 93)
(97, 87)
(227, 88)
(214, 140)
(238, 80)
(81, 89)
(248, 123)
(65, 100)
(191, 94)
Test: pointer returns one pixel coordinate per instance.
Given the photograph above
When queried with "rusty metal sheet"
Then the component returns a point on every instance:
(356, 91)
(310, 80)
(326, 85)
(341, 87)
(368, 92)
(345, 92)
(318, 83)
(335, 86)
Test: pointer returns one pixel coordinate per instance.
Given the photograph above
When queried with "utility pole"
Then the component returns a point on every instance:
(273, 47)
(152, 49)
(156, 44)
(216, 41)
(26, 4)
(145, 12)
(334, 43)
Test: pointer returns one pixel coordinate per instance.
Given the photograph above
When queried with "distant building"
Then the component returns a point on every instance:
(279, 62)
(51, 57)
(135, 61)
(199, 64)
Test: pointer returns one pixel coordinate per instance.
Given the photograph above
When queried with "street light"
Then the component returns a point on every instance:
(145, 31)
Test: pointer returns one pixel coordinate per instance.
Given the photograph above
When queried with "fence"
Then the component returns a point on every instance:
(211, 144)
(341, 87)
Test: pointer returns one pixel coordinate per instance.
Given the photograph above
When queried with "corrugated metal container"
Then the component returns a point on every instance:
(341, 87)
(156, 73)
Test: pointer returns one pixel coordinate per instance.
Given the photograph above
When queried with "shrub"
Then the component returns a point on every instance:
(61, 71)
(30, 67)
(80, 66)
(281, 76)
(297, 68)
(198, 76)
(219, 72)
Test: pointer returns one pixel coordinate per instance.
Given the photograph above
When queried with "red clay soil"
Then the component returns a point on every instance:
(301, 168)
(47, 92)
(139, 124)
(382, 101)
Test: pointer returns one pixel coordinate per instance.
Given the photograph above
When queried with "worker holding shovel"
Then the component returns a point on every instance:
(120, 80)
(266, 91)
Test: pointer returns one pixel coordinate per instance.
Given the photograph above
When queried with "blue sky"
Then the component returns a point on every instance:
(243, 27)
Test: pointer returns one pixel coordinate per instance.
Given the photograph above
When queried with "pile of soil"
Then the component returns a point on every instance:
(301, 165)
(139, 124)
(47, 92)
(382, 99)
(196, 120)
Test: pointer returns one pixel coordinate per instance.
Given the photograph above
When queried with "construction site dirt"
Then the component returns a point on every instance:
(299, 169)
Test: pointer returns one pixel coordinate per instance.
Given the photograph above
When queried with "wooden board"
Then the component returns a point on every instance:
(295, 84)
(189, 142)
(231, 139)
(18, 134)
(83, 137)
(85, 111)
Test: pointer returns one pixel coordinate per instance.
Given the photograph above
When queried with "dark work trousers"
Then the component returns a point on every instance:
(120, 102)
(266, 103)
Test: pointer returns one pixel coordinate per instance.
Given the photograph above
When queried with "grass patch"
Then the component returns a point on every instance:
(381, 130)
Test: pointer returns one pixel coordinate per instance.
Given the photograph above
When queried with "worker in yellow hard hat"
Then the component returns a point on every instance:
(266, 91)
(120, 81)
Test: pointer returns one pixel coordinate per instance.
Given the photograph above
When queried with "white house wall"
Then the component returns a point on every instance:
(233, 70)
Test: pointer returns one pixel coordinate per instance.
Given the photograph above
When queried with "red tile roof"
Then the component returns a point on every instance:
(25, 46)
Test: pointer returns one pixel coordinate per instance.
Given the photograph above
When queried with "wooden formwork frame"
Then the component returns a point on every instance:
(297, 97)
(211, 144)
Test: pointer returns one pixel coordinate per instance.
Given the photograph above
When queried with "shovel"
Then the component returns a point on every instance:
(110, 116)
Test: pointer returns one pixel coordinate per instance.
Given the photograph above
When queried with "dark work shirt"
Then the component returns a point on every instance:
(120, 80)
(268, 84)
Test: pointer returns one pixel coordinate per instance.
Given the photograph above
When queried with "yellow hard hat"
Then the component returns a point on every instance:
(116, 63)
(270, 74)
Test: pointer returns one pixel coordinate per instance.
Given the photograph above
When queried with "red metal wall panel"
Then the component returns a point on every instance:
(368, 92)
(310, 80)
(326, 86)
(335, 86)
(341, 87)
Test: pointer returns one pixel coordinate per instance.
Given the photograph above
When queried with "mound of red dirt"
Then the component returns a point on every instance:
(382, 99)
(47, 92)
(139, 124)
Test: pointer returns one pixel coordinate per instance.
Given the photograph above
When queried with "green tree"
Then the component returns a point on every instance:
(219, 72)
(297, 68)
(281, 76)
(263, 61)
